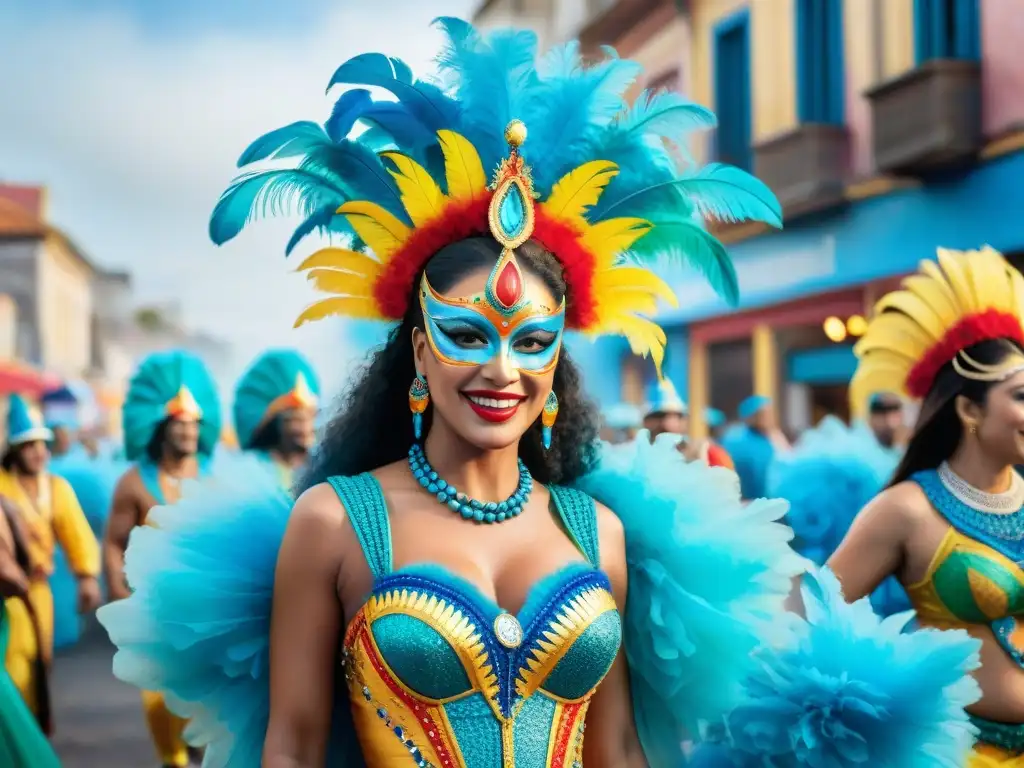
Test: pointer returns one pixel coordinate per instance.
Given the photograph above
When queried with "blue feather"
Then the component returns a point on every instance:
(845, 689)
(423, 100)
(255, 194)
(405, 130)
(289, 141)
(347, 109)
(721, 191)
(358, 171)
(688, 242)
(578, 105)
(325, 219)
(493, 81)
(664, 114)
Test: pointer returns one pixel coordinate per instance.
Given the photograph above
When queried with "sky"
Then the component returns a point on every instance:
(133, 113)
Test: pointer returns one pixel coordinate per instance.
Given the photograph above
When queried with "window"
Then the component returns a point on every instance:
(732, 89)
(819, 61)
(946, 29)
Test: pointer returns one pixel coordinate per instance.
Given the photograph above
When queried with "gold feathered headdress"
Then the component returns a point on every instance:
(963, 298)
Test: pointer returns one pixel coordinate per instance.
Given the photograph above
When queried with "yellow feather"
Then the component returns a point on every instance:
(608, 238)
(626, 277)
(901, 345)
(422, 198)
(625, 301)
(644, 336)
(346, 306)
(897, 325)
(917, 309)
(938, 296)
(462, 167)
(342, 283)
(990, 278)
(378, 228)
(953, 266)
(579, 190)
(341, 258)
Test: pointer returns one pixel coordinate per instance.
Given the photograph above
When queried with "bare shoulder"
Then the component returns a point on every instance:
(129, 484)
(318, 509)
(897, 508)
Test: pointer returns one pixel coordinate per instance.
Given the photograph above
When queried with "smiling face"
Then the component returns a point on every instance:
(1000, 422)
(488, 351)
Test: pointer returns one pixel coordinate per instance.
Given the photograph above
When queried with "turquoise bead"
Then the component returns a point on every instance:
(453, 505)
(490, 517)
(466, 512)
(478, 515)
(432, 488)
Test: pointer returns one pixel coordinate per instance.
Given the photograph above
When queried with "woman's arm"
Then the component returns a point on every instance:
(305, 625)
(611, 739)
(873, 547)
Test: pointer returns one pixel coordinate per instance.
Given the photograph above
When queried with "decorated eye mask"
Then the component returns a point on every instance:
(503, 321)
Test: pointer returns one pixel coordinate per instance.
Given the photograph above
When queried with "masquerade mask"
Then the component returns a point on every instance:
(503, 321)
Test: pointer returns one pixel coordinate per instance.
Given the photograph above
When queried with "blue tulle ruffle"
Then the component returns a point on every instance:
(847, 689)
(831, 474)
(705, 574)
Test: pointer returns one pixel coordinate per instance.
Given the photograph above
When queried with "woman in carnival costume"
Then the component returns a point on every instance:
(171, 421)
(275, 407)
(950, 525)
(23, 743)
(462, 538)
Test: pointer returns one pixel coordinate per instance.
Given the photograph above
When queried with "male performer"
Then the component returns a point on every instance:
(754, 443)
(171, 419)
(50, 514)
(275, 408)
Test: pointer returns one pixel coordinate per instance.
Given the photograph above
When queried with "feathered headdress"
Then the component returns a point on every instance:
(611, 196)
(279, 379)
(169, 384)
(964, 298)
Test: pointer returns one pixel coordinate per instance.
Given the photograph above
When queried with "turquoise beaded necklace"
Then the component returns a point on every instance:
(470, 509)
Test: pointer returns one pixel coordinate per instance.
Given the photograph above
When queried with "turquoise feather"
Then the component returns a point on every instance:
(846, 689)
(158, 379)
(689, 637)
(831, 474)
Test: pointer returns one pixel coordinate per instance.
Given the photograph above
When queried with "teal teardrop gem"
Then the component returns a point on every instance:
(512, 212)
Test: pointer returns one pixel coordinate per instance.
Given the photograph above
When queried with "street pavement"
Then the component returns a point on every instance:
(98, 719)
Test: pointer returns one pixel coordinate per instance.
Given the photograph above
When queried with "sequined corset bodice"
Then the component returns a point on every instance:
(439, 675)
(975, 576)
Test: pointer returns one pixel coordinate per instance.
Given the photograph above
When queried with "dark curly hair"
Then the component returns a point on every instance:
(373, 426)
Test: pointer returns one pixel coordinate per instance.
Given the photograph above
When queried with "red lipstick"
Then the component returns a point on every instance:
(495, 407)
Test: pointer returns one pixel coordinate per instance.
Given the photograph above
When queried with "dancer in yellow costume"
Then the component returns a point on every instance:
(51, 515)
(171, 423)
(950, 525)
(275, 406)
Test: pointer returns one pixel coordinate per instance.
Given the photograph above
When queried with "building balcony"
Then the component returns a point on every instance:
(608, 20)
(805, 167)
(928, 119)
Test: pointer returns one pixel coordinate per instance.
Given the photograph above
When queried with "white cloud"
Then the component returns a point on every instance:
(136, 138)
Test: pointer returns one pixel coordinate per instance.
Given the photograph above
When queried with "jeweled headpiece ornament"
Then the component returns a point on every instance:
(598, 184)
(962, 299)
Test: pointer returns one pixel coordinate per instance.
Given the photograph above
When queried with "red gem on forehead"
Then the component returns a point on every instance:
(508, 288)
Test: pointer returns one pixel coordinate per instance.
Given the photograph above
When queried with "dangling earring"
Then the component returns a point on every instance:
(419, 399)
(973, 429)
(547, 418)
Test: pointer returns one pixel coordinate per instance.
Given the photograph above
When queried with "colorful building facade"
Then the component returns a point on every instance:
(885, 127)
